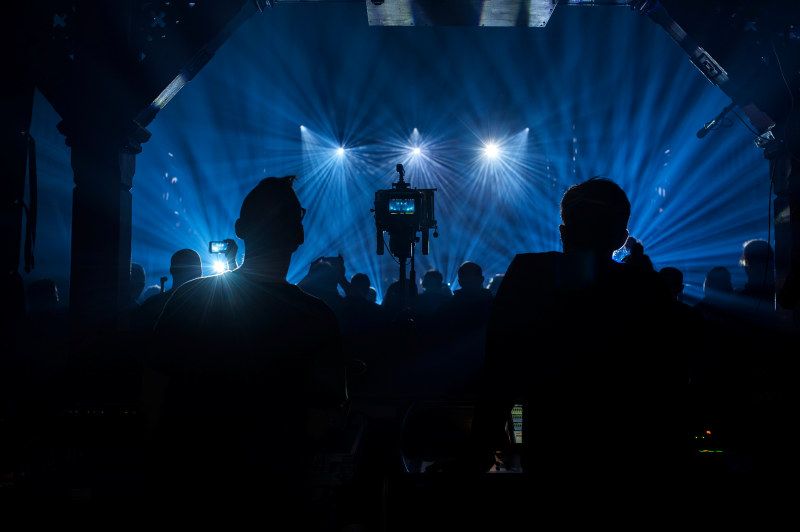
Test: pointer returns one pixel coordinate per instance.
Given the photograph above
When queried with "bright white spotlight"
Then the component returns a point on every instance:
(219, 266)
(417, 151)
(340, 150)
(491, 150)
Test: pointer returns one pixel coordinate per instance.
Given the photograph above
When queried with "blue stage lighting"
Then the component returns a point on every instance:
(382, 94)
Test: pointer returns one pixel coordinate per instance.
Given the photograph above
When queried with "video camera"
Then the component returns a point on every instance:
(402, 212)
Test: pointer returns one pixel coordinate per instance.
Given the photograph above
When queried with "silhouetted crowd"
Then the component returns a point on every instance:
(298, 397)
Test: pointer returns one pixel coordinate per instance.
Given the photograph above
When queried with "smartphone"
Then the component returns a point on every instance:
(217, 246)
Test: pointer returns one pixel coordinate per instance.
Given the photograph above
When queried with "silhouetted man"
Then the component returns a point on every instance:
(424, 305)
(588, 346)
(184, 266)
(755, 303)
(460, 321)
(470, 279)
(758, 262)
(254, 371)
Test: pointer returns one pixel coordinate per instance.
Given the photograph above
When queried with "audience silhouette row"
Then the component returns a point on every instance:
(613, 364)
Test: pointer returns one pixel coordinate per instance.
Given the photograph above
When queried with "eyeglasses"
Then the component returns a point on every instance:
(302, 213)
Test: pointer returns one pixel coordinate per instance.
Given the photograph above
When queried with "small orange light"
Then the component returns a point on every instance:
(708, 432)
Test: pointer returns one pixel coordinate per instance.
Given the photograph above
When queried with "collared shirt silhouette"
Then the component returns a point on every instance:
(253, 366)
(586, 344)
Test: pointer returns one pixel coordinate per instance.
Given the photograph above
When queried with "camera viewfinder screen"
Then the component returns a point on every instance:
(402, 205)
(218, 247)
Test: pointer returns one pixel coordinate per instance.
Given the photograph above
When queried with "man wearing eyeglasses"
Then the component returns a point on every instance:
(250, 369)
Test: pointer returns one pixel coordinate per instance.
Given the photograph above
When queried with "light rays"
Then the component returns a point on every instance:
(293, 86)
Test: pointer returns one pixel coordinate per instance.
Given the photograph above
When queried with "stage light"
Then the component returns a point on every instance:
(219, 266)
(491, 202)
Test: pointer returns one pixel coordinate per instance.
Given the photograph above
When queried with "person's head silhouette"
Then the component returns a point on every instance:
(470, 276)
(674, 279)
(321, 279)
(360, 284)
(185, 265)
(717, 281)
(758, 261)
(594, 217)
(432, 281)
(270, 223)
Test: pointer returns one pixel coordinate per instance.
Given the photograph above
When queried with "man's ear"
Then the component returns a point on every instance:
(239, 229)
(561, 230)
(300, 236)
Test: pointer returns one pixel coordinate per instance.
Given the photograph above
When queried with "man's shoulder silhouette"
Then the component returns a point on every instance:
(236, 302)
(554, 271)
(231, 340)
